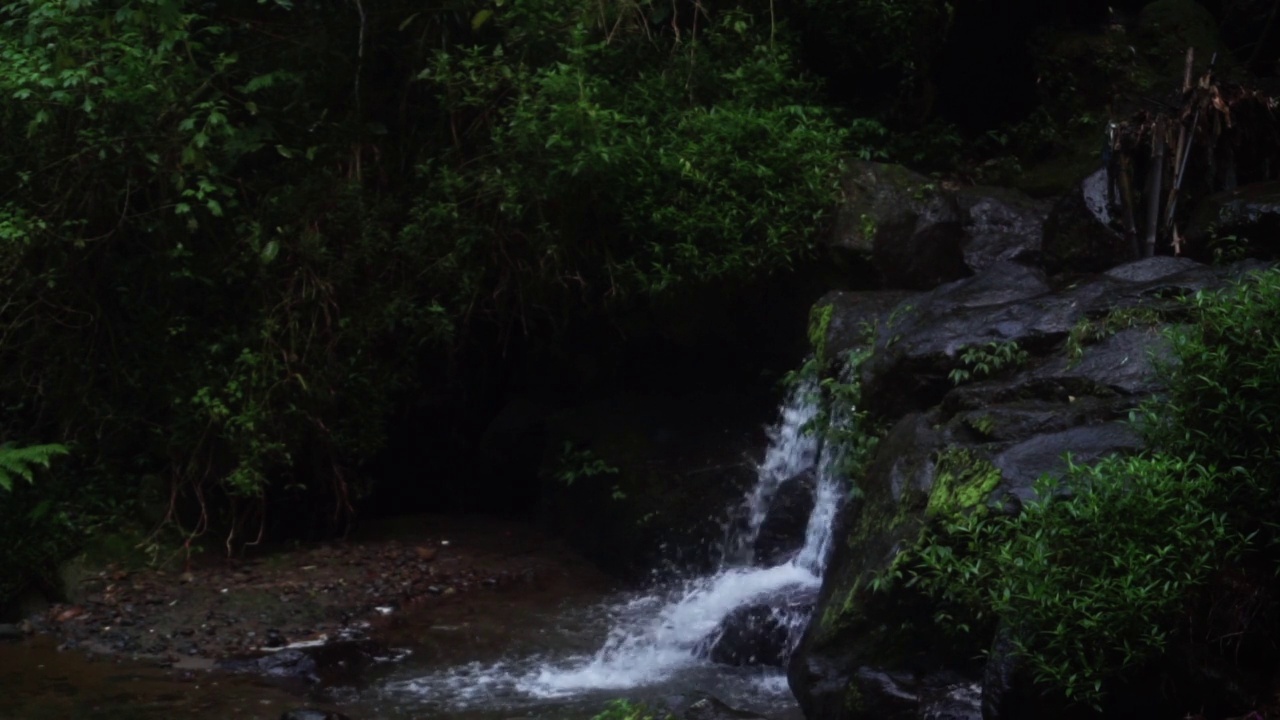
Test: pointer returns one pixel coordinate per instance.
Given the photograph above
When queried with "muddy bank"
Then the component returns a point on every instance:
(247, 622)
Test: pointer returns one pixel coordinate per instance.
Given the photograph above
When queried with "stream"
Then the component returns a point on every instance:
(533, 656)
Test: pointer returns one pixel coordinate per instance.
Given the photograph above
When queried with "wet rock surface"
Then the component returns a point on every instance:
(1001, 225)
(762, 633)
(907, 226)
(1088, 356)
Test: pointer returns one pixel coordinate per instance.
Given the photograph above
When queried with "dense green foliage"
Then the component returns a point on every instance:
(233, 237)
(1100, 574)
(21, 462)
(619, 164)
(1089, 586)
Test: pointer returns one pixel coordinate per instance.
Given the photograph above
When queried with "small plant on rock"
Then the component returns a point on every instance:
(982, 361)
(577, 463)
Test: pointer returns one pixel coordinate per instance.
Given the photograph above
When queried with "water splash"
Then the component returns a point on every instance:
(792, 450)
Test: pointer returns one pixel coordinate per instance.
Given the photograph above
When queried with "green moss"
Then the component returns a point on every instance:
(962, 484)
(1093, 330)
(819, 323)
(853, 700)
(867, 224)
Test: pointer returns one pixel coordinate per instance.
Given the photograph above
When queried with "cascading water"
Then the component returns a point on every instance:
(663, 635)
(791, 451)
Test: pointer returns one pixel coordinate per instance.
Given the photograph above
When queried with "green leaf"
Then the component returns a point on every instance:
(269, 252)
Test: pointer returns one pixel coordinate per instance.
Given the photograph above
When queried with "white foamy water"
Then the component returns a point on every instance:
(791, 451)
(654, 638)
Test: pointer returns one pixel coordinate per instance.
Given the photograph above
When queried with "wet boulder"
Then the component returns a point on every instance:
(917, 353)
(849, 321)
(762, 633)
(1001, 225)
(782, 531)
(907, 226)
(1023, 464)
(913, 696)
(975, 443)
(962, 701)
(1080, 234)
(333, 664)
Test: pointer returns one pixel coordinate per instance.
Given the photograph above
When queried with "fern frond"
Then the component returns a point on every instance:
(21, 462)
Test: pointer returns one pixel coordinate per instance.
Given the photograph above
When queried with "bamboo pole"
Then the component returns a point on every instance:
(1155, 183)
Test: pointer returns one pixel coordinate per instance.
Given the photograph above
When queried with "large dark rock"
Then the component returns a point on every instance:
(1023, 464)
(906, 225)
(916, 353)
(782, 531)
(333, 664)
(962, 701)
(1079, 236)
(854, 318)
(984, 442)
(1001, 225)
(763, 633)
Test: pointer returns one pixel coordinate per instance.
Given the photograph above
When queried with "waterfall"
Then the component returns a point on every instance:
(792, 450)
(657, 636)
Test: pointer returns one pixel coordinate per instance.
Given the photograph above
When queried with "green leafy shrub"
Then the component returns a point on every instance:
(983, 361)
(1224, 387)
(1092, 576)
(619, 162)
(21, 462)
(1096, 576)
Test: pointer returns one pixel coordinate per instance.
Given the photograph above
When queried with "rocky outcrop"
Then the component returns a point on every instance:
(987, 384)
(1001, 225)
(909, 228)
(763, 633)
(919, 233)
